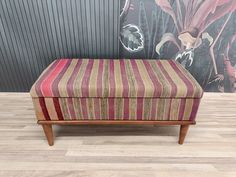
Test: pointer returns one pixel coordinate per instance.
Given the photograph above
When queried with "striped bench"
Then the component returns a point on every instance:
(122, 91)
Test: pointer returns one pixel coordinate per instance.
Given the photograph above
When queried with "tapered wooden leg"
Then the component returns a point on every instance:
(48, 132)
(182, 133)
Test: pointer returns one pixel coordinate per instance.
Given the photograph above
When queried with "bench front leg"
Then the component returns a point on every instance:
(47, 128)
(183, 133)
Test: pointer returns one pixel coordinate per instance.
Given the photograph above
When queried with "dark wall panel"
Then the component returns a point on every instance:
(35, 32)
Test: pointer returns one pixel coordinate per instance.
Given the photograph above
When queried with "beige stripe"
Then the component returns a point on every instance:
(157, 107)
(181, 86)
(90, 109)
(149, 86)
(62, 85)
(119, 104)
(33, 91)
(166, 109)
(64, 109)
(51, 108)
(67, 105)
(174, 110)
(188, 109)
(197, 88)
(104, 109)
(77, 108)
(93, 102)
(93, 79)
(153, 116)
(118, 79)
(133, 86)
(105, 79)
(166, 87)
(147, 109)
(100, 103)
(38, 109)
(79, 77)
(109, 77)
(132, 108)
(160, 109)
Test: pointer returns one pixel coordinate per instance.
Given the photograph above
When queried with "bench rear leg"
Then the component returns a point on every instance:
(47, 128)
(183, 133)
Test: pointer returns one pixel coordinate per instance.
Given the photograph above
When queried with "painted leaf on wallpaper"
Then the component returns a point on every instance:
(210, 11)
(229, 45)
(153, 35)
(166, 7)
(125, 9)
(167, 37)
(131, 38)
(143, 25)
(197, 15)
(207, 36)
(230, 70)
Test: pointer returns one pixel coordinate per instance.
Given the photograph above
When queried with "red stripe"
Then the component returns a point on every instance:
(111, 105)
(70, 83)
(195, 106)
(71, 108)
(83, 102)
(55, 89)
(97, 108)
(46, 84)
(112, 78)
(126, 109)
(58, 108)
(158, 88)
(140, 84)
(124, 79)
(189, 85)
(86, 77)
(44, 108)
(167, 76)
(181, 109)
(99, 78)
(139, 108)
(46, 74)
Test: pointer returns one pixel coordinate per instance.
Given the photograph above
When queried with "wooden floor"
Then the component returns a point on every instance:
(116, 151)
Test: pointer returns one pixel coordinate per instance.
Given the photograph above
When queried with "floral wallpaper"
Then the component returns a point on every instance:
(200, 34)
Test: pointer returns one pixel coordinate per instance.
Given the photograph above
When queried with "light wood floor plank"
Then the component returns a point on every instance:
(105, 151)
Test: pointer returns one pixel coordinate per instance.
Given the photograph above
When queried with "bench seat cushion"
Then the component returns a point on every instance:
(116, 78)
(87, 89)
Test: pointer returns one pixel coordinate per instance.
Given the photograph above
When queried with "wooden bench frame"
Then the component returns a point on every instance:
(47, 125)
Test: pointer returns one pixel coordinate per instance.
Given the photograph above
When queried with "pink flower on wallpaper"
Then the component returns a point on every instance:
(230, 70)
(192, 18)
(196, 14)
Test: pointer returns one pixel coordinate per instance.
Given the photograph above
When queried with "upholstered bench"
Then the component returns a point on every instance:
(124, 91)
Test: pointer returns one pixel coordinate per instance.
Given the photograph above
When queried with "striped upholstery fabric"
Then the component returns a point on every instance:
(101, 89)
(115, 108)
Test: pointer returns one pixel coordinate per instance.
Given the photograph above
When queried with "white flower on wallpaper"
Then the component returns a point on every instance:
(131, 38)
